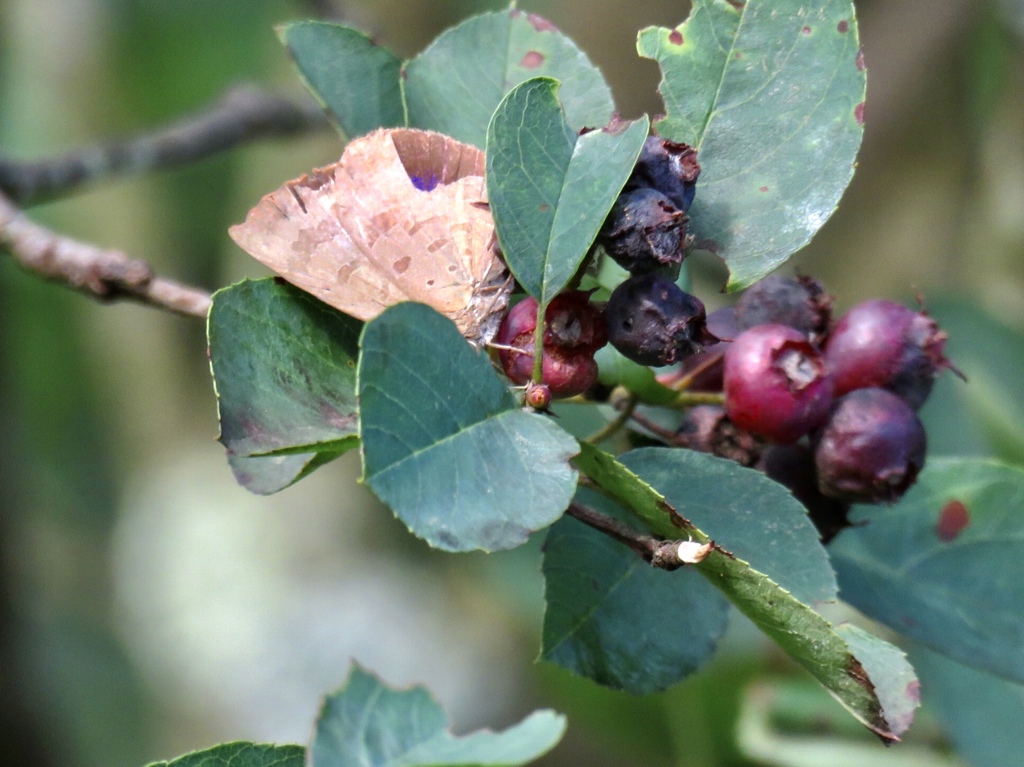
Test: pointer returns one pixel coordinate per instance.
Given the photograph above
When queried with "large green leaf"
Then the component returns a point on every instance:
(771, 94)
(982, 713)
(946, 566)
(241, 755)
(284, 368)
(371, 725)
(445, 444)
(355, 79)
(612, 617)
(455, 84)
(801, 632)
(550, 188)
(744, 512)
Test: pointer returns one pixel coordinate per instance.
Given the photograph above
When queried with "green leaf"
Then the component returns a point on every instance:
(801, 632)
(445, 444)
(946, 566)
(284, 367)
(241, 755)
(744, 512)
(981, 713)
(355, 79)
(771, 94)
(550, 189)
(269, 474)
(614, 618)
(455, 85)
(371, 725)
(618, 370)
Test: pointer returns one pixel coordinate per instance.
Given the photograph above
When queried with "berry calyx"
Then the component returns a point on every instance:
(871, 449)
(776, 384)
(652, 322)
(800, 302)
(885, 344)
(669, 167)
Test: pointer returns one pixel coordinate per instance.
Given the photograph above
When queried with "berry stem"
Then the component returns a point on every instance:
(690, 398)
(659, 553)
(538, 343)
(613, 426)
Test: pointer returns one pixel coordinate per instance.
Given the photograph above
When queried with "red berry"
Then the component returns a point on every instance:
(885, 344)
(538, 396)
(871, 449)
(574, 331)
(775, 383)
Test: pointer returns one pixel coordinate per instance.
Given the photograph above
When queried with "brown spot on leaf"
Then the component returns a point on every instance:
(953, 518)
(806, 30)
(544, 208)
(278, 280)
(842, 26)
(739, 55)
(763, 189)
(737, 4)
(532, 60)
(541, 24)
(401, 264)
(860, 59)
(858, 113)
(676, 37)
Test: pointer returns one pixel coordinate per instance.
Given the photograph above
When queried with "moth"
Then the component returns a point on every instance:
(402, 216)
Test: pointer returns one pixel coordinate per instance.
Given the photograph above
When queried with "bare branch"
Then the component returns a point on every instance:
(666, 555)
(242, 115)
(104, 274)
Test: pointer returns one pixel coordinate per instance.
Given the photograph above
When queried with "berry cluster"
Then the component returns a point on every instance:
(833, 406)
(647, 318)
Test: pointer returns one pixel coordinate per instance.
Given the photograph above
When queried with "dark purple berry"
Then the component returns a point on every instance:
(800, 302)
(670, 168)
(652, 322)
(705, 369)
(645, 231)
(871, 449)
(793, 466)
(574, 331)
(882, 343)
(708, 429)
(776, 384)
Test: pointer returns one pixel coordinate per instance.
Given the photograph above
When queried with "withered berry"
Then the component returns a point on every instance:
(708, 429)
(645, 231)
(652, 322)
(775, 383)
(871, 449)
(800, 302)
(670, 168)
(882, 343)
(574, 331)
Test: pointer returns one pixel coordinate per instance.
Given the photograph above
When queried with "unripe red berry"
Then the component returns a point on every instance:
(574, 331)
(653, 322)
(800, 302)
(885, 344)
(538, 396)
(871, 449)
(775, 383)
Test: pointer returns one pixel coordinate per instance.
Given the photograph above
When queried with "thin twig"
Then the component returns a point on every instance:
(241, 115)
(104, 274)
(666, 555)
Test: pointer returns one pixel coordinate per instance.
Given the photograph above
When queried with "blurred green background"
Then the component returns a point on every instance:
(149, 606)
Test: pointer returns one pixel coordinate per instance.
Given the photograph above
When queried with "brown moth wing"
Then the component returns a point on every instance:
(292, 233)
(361, 236)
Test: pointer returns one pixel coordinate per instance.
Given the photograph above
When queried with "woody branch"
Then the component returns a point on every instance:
(242, 115)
